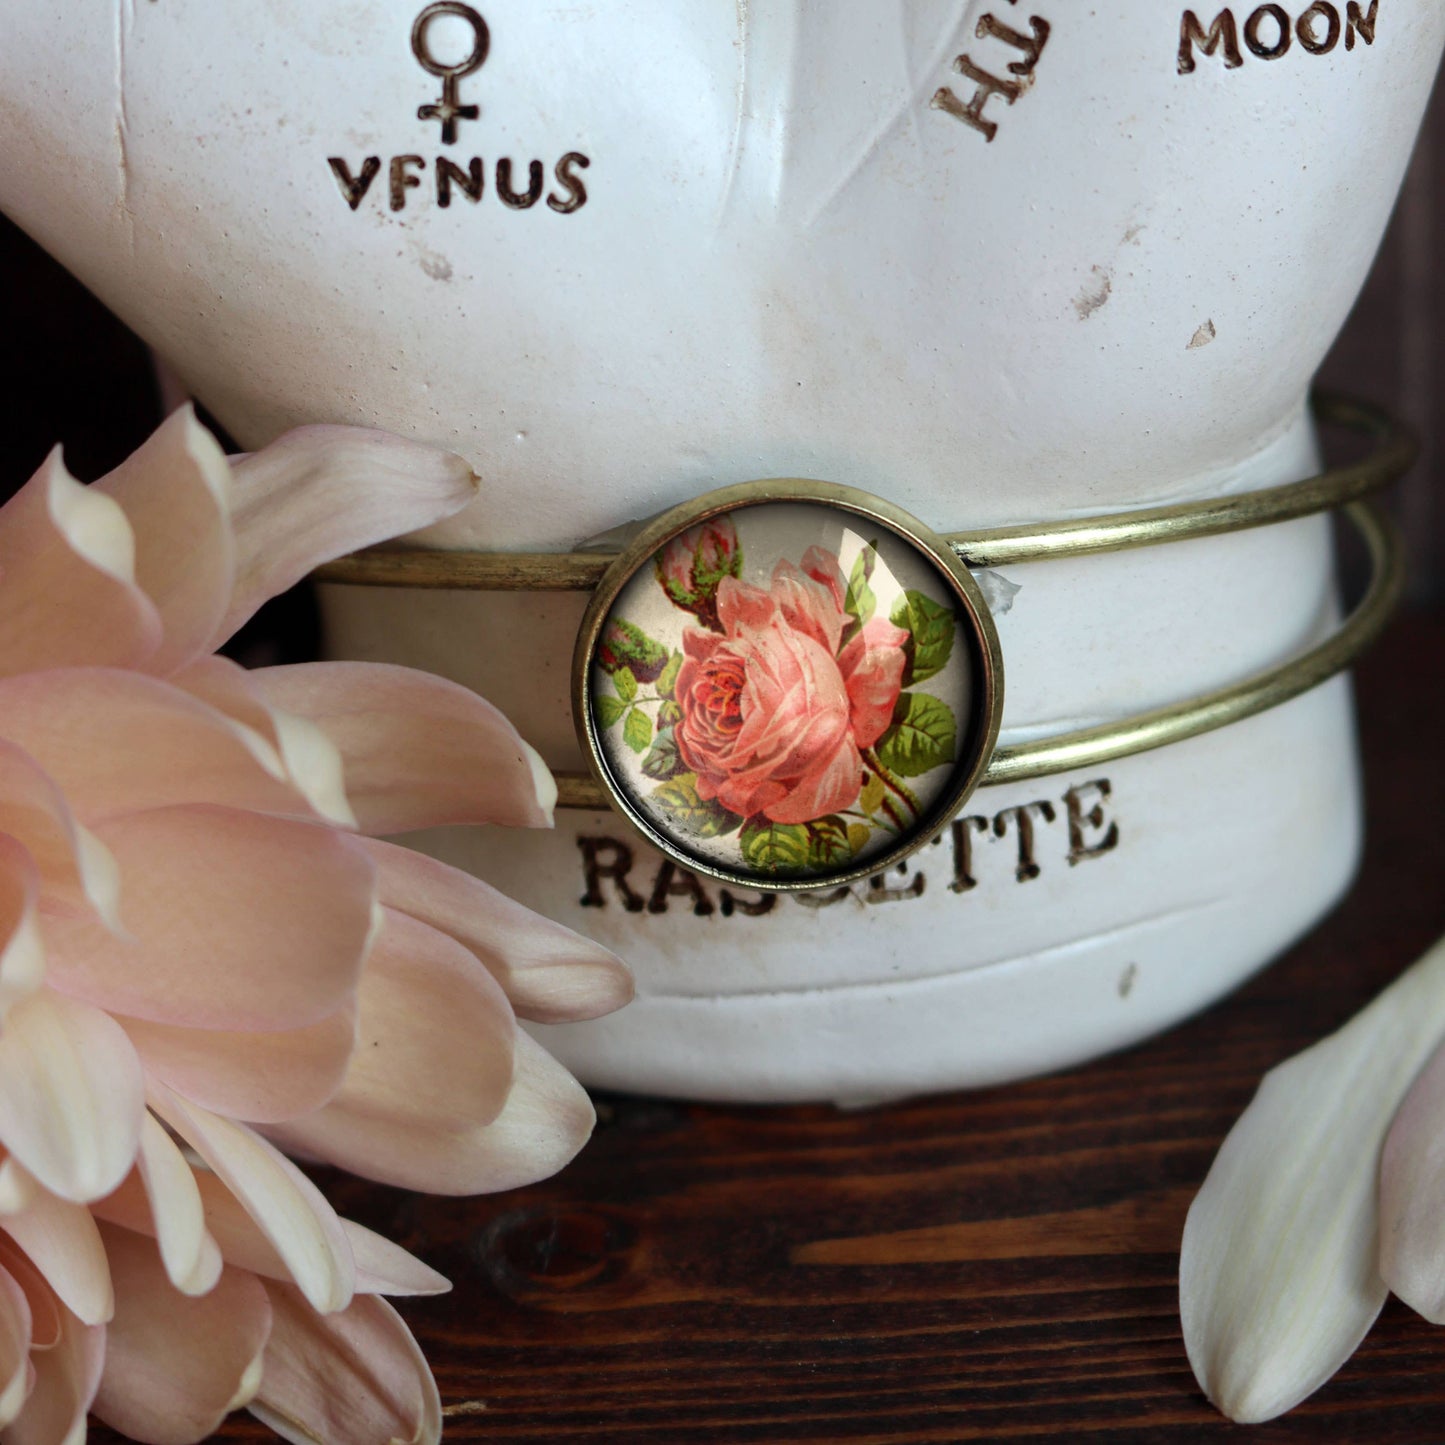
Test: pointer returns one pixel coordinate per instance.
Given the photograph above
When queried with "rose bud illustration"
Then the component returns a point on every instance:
(691, 568)
(626, 645)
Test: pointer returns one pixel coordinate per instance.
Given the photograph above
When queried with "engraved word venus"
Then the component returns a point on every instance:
(413, 178)
(1019, 72)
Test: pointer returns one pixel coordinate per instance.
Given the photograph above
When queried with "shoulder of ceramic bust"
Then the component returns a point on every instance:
(914, 247)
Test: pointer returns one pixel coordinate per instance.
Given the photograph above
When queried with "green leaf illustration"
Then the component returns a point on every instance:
(828, 843)
(626, 683)
(859, 602)
(923, 736)
(610, 710)
(776, 847)
(637, 730)
(668, 679)
(668, 715)
(662, 762)
(874, 791)
(931, 627)
(695, 815)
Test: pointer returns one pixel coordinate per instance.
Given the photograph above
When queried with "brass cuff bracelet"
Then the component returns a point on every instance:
(818, 719)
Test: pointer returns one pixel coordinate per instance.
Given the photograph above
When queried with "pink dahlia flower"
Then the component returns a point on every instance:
(777, 708)
(205, 956)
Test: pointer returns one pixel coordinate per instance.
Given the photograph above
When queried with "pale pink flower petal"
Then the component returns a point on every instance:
(117, 742)
(1412, 1196)
(355, 1376)
(222, 905)
(40, 1299)
(189, 1254)
(432, 1067)
(66, 1379)
(14, 1346)
(549, 973)
(176, 1367)
(230, 1236)
(547, 1118)
(76, 873)
(62, 1241)
(287, 1207)
(22, 955)
(17, 1187)
(310, 759)
(322, 491)
(71, 1095)
(262, 1078)
(418, 751)
(386, 1268)
(67, 579)
(175, 492)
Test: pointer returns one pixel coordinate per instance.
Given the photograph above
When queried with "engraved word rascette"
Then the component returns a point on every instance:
(444, 178)
(1029, 835)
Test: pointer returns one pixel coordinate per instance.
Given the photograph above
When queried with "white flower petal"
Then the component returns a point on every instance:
(290, 1211)
(175, 1204)
(1278, 1281)
(71, 1095)
(1412, 1193)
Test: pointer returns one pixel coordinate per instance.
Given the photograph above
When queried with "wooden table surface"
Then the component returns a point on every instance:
(990, 1266)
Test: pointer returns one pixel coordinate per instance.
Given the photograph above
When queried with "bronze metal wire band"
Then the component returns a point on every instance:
(1394, 451)
(1345, 487)
(1156, 729)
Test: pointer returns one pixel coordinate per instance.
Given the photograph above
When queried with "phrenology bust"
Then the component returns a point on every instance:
(996, 261)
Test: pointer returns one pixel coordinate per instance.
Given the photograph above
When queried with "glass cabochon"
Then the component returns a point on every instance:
(787, 691)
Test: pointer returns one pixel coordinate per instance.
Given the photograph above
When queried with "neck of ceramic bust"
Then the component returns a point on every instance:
(1085, 640)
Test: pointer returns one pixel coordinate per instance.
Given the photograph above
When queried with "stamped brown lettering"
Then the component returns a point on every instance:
(1318, 28)
(1360, 24)
(519, 200)
(675, 882)
(961, 830)
(471, 181)
(1221, 38)
(1023, 823)
(1085, 805)
(402, 179)
(608, 859)
(354, 188)
(1019, 75)
(1015, 845)
(449, 111)
(1269, 32)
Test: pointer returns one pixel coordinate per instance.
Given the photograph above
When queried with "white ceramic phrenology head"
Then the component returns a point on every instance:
(996, 261)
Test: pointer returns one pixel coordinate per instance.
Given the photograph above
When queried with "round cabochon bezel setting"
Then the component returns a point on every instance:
(976, 637)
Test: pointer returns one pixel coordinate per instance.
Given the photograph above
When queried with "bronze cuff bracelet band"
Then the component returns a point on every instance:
(819, 719)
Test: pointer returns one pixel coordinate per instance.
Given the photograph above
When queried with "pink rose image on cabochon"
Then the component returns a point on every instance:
(777, 708)
(783, 723)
